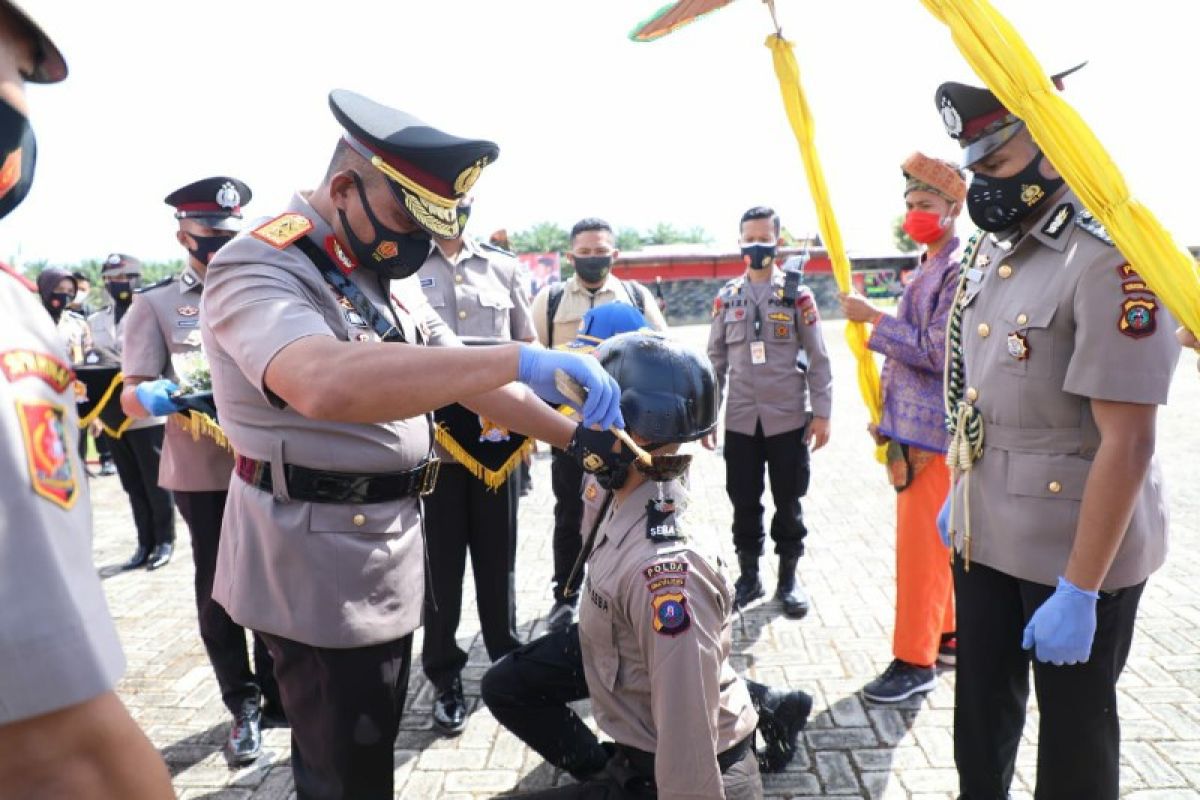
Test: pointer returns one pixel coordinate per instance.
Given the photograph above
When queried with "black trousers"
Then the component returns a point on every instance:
(136, 454)
(527, 692)
(463, 515)
(224, 640)
(785, 458)
(344, 706)
(1079, 733)
(104, 448)
(566, 478)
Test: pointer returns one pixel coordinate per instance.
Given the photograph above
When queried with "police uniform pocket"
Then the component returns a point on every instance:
(369, 518)
(735, 332)
(497, 305)
(1029, 343)
(1049, 476)
(596, 636)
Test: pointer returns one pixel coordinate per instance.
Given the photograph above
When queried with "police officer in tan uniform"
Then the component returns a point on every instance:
(1059, 355)
(766, 337)
(138, 450)
(558, 311)
(652, 645)
(324, 382)
(63, 731)
(477, 290)
(165, 321)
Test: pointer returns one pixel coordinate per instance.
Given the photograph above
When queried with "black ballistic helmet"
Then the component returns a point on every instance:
(668, 390)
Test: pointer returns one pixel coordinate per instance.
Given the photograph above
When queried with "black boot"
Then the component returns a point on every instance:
(788, 591)
(139, 558)
(781, 717)
(160, 556)
(748, 587)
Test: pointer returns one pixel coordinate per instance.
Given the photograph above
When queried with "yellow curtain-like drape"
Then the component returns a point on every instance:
(800, 117)
(1001, 58)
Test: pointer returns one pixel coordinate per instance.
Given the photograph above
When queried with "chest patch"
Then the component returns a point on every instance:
(598, 600)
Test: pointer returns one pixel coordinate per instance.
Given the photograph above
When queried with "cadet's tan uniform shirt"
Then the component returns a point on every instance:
(654, 624)
(74, 330)
(1052, 323)
(775, 393)
(58, 645)
(327, 575)
(164, 320)
(108, 336)
(577, 301)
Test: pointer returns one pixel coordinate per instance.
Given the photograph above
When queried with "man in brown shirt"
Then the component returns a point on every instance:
(651, 648)
(766, 337)
(164, 322)
(1059, 355)
(63, 730)
(318, 336)
(478, 291)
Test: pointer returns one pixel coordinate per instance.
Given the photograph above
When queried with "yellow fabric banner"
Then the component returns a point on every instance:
(1006, 65)
(800, 117)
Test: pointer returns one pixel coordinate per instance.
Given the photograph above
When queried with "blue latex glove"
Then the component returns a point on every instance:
(1063, 627)
(943, 522)
(155, 397)
(536, 366)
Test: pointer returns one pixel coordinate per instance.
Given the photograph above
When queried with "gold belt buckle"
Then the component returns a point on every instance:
(429, 479)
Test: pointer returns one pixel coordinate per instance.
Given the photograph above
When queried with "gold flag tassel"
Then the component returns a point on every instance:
(493, 479)
(198, 424)
(115, 433)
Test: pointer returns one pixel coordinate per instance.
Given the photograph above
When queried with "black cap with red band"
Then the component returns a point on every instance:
(976, 118)
(429, 171)
(215, 202)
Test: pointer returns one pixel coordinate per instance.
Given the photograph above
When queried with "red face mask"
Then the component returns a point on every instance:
(925, 227)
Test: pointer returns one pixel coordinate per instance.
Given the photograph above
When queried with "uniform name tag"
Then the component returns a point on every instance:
(187, 323)
(428, 283)
(974, 275)
(758, 352)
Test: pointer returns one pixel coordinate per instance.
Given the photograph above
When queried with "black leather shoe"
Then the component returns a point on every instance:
(789, 592)
(781, 717)
(160, 556)
(140, 556)
(245, 734)
(450, 710)
(747, 588)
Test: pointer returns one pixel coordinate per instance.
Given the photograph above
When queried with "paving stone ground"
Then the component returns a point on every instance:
(851, 749)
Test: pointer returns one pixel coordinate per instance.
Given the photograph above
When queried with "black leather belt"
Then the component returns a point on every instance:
(643, 762)
(323, 486)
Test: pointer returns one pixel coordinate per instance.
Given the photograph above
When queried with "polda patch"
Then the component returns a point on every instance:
(19, 364)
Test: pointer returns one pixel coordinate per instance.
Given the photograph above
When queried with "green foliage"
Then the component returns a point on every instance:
(903, 241)
(544, 237)
(550, 237)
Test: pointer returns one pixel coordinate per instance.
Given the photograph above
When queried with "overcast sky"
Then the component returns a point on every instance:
(688, 130)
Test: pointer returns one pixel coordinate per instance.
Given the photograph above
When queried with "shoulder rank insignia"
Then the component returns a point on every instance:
(661, 525)
(670, 613)
(1093, 226)
(50, 469)
(1138, 317)
(283, 230)
(1058, 221)
(163, 282)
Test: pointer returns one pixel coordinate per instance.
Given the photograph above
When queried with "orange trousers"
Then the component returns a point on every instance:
(924, 585)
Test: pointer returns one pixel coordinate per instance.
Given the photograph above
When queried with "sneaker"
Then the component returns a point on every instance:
(561, 617)
(948, 652)
(900, 681)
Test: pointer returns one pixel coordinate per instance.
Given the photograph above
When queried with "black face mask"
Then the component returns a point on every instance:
(18, 154)
(391, 254)
(58, 302)
(998, 204)
(761, 256)
(120, 291)
(593, 269)
(207, 246)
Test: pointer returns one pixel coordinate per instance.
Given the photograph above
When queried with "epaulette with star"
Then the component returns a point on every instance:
(163, 282)
(283, 230)
(1095, 227)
